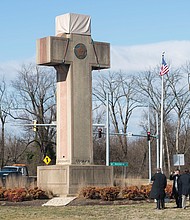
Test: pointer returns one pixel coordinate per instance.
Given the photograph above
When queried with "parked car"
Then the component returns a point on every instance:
(15, 169)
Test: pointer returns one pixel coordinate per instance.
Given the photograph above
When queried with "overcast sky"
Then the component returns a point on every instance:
(138, 30)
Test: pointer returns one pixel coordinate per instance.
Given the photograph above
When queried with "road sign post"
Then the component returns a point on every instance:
(124, 164)
(47, 160)
(178, 160)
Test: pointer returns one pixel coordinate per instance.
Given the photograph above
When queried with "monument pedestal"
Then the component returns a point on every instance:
(69, 179)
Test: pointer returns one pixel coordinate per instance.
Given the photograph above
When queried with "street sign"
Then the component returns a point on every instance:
(178, 160)
(47, 160)
(124, 164)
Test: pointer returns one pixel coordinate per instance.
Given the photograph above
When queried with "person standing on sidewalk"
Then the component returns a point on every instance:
(184, 184)
(176, 192)
(158, 189)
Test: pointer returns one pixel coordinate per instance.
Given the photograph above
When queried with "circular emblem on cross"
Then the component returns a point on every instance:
(80, 51)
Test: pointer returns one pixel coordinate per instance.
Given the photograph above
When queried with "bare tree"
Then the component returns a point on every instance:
(35, 100)
(123, 100)
(148, 84)
(181, 100)
(176, 104)
(5, 106)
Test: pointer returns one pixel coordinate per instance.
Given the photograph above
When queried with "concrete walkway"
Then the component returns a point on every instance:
(59, 201)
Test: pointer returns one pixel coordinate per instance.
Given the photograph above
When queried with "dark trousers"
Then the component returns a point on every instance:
(178, 200)
(160, 204)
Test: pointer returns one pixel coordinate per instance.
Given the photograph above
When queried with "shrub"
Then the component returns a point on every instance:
(90, 192)
(131, 192)
(22, 194)
(109, 193)
(112, 193)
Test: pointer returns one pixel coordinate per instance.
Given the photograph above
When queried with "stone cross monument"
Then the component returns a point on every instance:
(73, 54)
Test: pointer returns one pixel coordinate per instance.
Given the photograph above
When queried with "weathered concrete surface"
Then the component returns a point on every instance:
(60, 201)
(69, 179)
(74, 92)
(74, 56)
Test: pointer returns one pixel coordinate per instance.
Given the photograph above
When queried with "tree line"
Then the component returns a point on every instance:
(131, 93)
(32, 96)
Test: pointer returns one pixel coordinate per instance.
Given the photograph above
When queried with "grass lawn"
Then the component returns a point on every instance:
(103, 212)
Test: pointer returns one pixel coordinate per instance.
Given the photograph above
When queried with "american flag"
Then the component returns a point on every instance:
(164, 67)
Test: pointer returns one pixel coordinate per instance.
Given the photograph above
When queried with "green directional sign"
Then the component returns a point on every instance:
(125, 164)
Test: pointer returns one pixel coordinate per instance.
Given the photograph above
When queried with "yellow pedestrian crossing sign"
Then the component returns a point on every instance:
(47, 160)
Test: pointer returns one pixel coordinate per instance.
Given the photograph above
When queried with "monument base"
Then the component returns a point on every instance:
(69, 179)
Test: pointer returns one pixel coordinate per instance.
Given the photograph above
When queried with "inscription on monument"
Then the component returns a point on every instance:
(80, 51)
(82, 161)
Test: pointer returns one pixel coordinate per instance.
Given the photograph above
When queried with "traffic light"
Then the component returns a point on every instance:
(99, 132)
(34, 127)
(148, 136)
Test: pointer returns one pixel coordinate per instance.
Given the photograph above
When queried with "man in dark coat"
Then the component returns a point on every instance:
(184, 183)
(176, 191)
(158, 188)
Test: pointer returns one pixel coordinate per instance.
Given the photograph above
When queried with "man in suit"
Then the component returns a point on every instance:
(184, 184)
(176, 192)
(158, 189)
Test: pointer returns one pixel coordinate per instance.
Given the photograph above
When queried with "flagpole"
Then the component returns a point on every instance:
(164, 70)
(161, 124)
(157, 143)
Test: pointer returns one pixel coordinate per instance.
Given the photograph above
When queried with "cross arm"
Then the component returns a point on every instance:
(101, 55)
(51, 50)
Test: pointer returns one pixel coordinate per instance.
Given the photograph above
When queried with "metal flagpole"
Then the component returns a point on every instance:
(157, 142)
(164, 70)
(161, 125)
(162, 111)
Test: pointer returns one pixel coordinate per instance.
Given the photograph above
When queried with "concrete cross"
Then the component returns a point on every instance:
(74, 55)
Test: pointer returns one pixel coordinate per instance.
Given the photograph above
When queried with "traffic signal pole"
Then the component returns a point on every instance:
(149, 147)
(107, 132)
